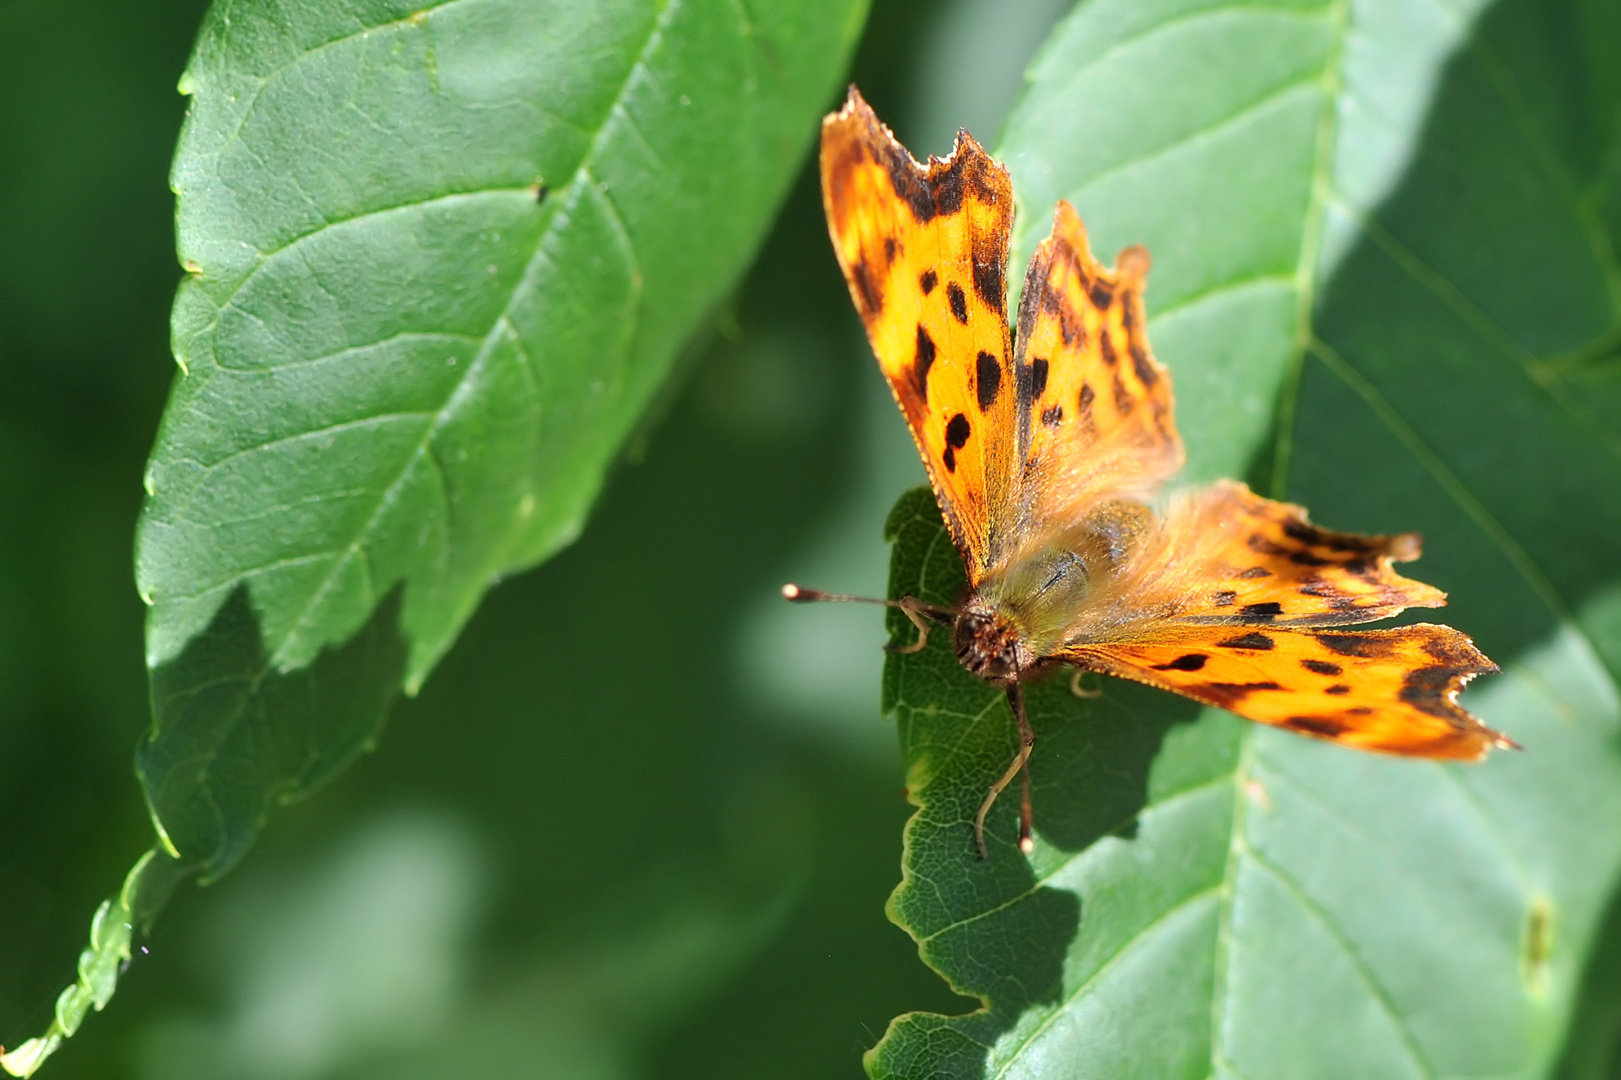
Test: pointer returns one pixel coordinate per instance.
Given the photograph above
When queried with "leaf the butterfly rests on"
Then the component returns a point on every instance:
(1043, 459)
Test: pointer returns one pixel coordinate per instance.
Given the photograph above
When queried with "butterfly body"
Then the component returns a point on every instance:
(1046, 449)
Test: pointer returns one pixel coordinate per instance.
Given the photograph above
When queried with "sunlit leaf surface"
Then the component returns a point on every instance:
(1385, 285)
(440, 260)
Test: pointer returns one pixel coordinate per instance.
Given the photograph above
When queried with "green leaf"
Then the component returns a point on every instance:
(1386, 287)
(440, 260)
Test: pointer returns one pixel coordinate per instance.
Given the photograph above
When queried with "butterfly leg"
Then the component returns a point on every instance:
(914, 609)
(1077, 689)
(1020, 767)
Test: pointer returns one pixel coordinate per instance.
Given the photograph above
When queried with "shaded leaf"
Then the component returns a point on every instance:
(1384, 283)
(440, 260)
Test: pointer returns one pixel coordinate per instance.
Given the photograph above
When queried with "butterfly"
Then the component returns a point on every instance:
(1044, 449)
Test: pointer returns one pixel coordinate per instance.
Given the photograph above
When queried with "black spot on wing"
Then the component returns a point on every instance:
(1268, 610)
(1106, 346)
(1225, 598)
(1255, 572)
(959, 302)
(1140, 364)
(1053, 415)
(1189, 662)
(1123, 401)
(1338, 690)
(987, 380)
(990, 253)
(891, 249)
(1322, 667)
(905, 177)
(1038, 378)
(1253, 641)
(949, 185)
(1070, 327)
(1088, 425)
(1326, 726)
(924, 359)
(957, 431)
(1367, 646)
(950, 458)
(1306, 558)
(1428, 689)
(1101, 294)
(1230, 695)
(928, 281)
(867, 289)
(1307, 533)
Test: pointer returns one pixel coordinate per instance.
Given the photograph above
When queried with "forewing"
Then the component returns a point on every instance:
(1393, 691)
(1094, 406)
(924, 251)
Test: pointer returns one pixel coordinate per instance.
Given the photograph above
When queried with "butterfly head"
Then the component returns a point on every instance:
(990, 646)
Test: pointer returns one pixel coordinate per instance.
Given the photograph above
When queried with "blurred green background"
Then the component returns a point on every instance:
(643, 819)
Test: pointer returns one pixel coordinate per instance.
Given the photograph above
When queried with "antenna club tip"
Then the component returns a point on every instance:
(1027, 845)
(791, 591)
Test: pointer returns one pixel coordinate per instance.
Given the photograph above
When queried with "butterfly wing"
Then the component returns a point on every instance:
(924, 252)
(1231, 603)
(1226, 556)
(1094, 406)
(1393, 691)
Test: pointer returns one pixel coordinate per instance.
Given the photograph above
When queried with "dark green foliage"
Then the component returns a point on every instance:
(440, 262)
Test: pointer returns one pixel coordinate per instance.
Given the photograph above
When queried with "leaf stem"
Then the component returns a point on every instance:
(146, 888)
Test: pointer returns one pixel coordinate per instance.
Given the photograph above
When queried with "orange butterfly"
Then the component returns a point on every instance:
(1042, 456)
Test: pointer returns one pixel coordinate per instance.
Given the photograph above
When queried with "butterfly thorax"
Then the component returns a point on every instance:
(1025, 610)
